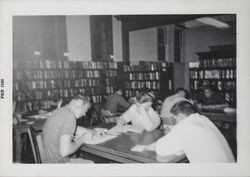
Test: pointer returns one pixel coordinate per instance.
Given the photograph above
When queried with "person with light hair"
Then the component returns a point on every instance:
(62, 137)
(180, 95)
(141, 113)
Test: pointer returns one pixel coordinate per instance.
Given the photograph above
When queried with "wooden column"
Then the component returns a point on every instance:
(101, 37)
(125, 43)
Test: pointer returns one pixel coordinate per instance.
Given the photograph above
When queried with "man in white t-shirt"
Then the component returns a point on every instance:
(142, 114)
(195, 136)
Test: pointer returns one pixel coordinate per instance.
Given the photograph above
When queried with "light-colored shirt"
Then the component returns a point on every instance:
(167, 105)
(198, 138)
(61, 122)
(137, 115)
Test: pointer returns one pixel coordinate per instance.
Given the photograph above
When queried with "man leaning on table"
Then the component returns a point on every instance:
(211, 100)
(195, 136)
(62, 137)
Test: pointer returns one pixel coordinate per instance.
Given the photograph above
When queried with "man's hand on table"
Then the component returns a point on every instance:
(89, 134)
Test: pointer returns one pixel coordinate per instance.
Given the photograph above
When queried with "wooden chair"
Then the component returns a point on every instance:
(95, 117)
(109, 117)
(37, 146)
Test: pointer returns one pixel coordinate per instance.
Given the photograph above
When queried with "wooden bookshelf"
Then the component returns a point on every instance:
(217, 68)
(34, 81)
(157, 76)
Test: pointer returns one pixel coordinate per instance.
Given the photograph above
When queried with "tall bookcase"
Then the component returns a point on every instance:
(157, 76)
(217, 68)
(34, 81)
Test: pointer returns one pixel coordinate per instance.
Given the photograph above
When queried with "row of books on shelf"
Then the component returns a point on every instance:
(40, 95)
(53, 84)
(109, 89)
(111, 81)
(143, 76)
(147, 66)
(110, 73)
(131, 93)
(142, 84)
(82, 83)
(219, 85)
(217, 62)
(63, 64)
(54, 74)
(30, 106)
(155, 65)
(213, 74)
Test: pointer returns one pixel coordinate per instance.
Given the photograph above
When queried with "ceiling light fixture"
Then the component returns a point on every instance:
(213, 22)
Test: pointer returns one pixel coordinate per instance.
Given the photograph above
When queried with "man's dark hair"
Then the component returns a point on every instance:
(145, 90)
(183, 107)
(180, 89)
(209, 87)
(117, 88)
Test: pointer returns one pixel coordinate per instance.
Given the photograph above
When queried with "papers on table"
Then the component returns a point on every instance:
(30, 122)
(114, 132)
(126, 128)
(40, 116)
(138, 148)
(101, 139)
(23, 120)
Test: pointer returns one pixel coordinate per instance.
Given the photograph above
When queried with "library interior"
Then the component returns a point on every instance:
(124, 88)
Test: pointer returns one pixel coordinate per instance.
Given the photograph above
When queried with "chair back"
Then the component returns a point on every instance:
(108, 117)
(37, 146)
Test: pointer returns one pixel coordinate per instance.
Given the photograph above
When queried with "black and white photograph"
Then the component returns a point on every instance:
(167, 95)
(122, 89)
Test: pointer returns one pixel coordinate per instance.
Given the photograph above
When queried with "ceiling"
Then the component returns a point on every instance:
(136, 22)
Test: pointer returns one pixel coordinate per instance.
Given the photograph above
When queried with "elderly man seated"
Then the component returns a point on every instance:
(60, 129)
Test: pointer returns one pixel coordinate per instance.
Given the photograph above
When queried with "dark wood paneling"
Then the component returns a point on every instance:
(101, 37)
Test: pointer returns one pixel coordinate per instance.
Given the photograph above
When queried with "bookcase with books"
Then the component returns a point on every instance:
(109, 81)
(217, 68)
(157, 76)
(34, 81)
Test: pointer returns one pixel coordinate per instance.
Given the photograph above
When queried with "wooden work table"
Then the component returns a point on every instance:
(220, 116)
(119, 148)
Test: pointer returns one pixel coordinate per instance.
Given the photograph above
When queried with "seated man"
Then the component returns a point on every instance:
(211, 100)
(60, 128)
(116, 103)
(55, 102)
(179, 95)
(195, 136)
(132, 100)
(141, 113)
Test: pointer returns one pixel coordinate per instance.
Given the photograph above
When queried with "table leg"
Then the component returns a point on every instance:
(18, 146)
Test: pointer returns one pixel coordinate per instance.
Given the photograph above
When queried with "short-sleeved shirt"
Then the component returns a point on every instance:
(198, 138)
(214, 99)
(116, 103)
(61, 122)
(148, 120)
